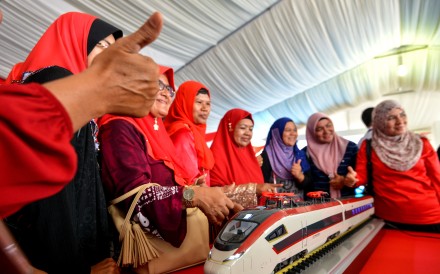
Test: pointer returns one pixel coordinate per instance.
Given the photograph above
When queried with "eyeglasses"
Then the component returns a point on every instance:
(162, 86)
(103, 44)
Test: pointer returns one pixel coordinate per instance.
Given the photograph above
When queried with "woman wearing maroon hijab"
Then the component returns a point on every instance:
(68, 232)
(137, 151)
(186, 125)
(236, 168)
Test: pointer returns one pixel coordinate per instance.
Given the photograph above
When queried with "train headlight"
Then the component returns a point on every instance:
(234, 257)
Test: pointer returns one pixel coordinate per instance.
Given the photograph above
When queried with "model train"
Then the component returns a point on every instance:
(266, 239)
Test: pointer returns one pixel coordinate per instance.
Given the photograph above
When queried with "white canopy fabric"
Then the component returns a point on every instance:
(274, 58)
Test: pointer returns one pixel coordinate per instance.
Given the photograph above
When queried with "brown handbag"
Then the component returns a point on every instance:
(147, 253)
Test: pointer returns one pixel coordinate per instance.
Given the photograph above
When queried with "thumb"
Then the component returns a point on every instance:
(299, 161)
(352, 171)
(145, 35)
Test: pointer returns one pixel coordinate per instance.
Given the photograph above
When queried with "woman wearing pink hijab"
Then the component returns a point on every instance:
(332, 158)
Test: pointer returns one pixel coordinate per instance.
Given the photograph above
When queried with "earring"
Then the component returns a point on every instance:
(155, 126)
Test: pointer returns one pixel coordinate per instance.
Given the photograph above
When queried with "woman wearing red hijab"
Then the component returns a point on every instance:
(138, 151)
(186, 125)
(236, 167)
(67, 232)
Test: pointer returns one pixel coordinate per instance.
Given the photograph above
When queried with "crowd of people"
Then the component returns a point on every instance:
(96, 120)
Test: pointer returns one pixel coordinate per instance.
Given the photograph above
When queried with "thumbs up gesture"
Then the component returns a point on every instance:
(119, 80)
(129, 80)
(351, 177)
(296, 171)
(338, 181)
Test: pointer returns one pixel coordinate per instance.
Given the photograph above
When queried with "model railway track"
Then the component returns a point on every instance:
(303, 263)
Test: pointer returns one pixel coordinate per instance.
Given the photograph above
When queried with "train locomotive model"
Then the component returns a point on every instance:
(266, 240)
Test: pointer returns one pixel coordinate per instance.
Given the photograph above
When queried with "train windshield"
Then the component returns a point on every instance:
(236, 231)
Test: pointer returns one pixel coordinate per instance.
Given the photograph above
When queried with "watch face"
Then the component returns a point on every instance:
(188, 194)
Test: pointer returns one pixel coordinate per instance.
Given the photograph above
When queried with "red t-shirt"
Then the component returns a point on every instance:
(410, 197)
(36, 158)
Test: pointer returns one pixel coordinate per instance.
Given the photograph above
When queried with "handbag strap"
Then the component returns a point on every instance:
(369, 169)
(139, 190)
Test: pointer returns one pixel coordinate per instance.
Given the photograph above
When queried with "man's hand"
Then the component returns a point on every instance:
(119, 80)
(130, 80)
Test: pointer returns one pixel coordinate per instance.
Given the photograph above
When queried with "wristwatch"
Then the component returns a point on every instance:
(188, 196)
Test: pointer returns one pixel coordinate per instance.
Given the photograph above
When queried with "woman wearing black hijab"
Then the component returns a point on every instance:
(68, 232)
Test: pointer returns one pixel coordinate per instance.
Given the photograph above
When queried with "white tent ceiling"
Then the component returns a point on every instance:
(273, 58)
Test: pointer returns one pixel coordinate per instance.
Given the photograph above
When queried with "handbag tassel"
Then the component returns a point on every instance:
(136, 249)
(145, 250)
